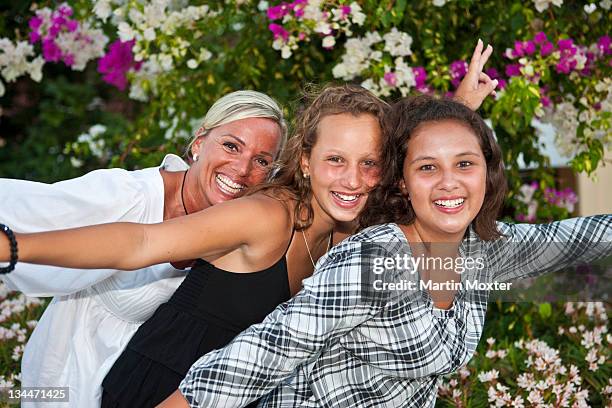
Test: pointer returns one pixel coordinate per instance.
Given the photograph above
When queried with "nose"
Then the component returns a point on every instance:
(242, 166)
(448, 180)
(351, 177)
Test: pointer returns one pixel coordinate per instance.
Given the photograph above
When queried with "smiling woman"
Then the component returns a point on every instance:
(95, 313)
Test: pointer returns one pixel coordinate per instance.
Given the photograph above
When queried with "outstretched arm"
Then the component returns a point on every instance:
(534, 249)
(257, 360)
(476, 85)
(211, 233)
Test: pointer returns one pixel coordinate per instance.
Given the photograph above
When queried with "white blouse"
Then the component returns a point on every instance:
(94, 312)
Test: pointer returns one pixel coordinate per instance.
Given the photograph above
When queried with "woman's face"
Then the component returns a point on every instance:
(445, 179)
(233, 157)
(344, 164)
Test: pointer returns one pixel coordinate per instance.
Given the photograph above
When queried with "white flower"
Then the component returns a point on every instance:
(542, 5)
(397, 43)
(439, 3)
(488, 376)
(125, 32)
(102, 9)
(605, 4)
(356, 15)
(262, 5)
(193, 64)
(589, 8)
(329, 41)
(285, 52)
(149, 34)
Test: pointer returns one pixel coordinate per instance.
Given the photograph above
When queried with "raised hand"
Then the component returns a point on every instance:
(476, 85)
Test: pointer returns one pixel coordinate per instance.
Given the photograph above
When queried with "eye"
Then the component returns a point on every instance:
(370, 163)
(335, 159)
(263, 162)
(465, 164)
(230, 146)
(427, 167)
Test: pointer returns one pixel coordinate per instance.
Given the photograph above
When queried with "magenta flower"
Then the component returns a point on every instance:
(529, 47)
(420, 78)
(390, 78)
(546, 48)
(540, 38)
(35, 23)
(346, 10)
(567, 45)
(513, 70)
(518, 49)
(458, 69)
(117, 62)
(278, 12)
(494, 74)
(279, 31)
(51, 52)
(603, 44)
(65, 10)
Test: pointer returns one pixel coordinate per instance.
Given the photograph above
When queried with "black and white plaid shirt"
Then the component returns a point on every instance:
(335, 344)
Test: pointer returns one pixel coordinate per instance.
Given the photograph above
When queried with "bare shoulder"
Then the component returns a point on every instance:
(269, 209)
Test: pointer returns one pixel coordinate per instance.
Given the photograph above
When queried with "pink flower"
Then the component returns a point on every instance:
(604, 45)
(494, 74)
(278, 12)
(51, 52)
(72, 25)
(529, 47)
(68, 59)
(117, 62)
(513, 70)
(567, 45)
(546, 48)
(35, 23)
(390, 78)
(458, 69)
(65, 10)
(420, 77)
(278, 31)
(34, 37)
(518, 49)
(346, 10)
(540, 38)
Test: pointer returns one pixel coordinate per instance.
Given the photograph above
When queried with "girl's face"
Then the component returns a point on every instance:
(445, 179)
(344, 164)
(233, 157)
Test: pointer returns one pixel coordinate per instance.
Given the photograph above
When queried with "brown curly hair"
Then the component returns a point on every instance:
(288, 181)
(386, 203)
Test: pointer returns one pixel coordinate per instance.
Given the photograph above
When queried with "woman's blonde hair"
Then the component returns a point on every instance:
(240, 105)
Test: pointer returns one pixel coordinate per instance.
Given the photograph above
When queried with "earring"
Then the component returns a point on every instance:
(306, 175)
(195, 157)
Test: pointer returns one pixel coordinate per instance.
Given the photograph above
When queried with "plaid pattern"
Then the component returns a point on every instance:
(331, 346)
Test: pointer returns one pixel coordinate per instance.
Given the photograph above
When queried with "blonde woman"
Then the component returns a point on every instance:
(94, 313)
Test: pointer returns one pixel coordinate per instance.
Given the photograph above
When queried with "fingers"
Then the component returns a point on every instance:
(485, 56)
(486, 86)
(474, 66)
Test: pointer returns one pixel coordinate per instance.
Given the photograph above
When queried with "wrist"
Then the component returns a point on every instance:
(8, 249)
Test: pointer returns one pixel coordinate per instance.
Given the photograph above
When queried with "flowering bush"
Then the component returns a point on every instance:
(533, 372)
(127, 81)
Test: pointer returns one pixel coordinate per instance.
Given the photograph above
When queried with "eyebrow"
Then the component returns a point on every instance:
(421, 158)
(241, 142)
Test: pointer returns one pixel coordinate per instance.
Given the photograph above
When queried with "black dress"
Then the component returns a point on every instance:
(206, 312)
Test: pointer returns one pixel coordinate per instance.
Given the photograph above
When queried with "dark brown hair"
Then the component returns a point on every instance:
(386, 203)
(288, 179)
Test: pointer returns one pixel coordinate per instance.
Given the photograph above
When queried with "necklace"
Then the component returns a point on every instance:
(182, 196)
(308, 248)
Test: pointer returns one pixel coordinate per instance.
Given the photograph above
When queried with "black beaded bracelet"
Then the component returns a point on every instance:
(13, 246)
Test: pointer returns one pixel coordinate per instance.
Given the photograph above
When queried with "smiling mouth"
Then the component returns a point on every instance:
(450, 203)
(228, 186)
(347, 198)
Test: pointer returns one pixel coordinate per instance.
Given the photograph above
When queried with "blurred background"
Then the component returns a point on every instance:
(121, 83)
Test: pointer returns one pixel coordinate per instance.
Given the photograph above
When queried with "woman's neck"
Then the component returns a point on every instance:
(177, 197)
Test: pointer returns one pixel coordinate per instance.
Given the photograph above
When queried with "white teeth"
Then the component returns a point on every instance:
(227, 185)
(345, 197)
(450, 203)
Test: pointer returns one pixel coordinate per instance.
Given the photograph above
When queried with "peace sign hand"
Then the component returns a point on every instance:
(476, 85)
